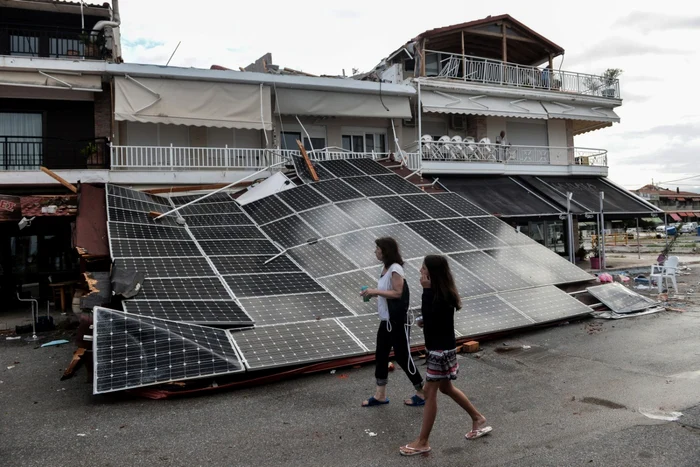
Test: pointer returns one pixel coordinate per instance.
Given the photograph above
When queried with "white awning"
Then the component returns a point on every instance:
(339, 104)
(455, 103)
(51, 80)
(192, 103)
(580, 112)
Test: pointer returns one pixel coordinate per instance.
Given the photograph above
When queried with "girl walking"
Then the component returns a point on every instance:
(439, 301)
(394, 330)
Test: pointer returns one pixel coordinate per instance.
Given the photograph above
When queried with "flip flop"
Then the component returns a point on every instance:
(479, 433)
(415, 401)
(371, 402)
(409, 451)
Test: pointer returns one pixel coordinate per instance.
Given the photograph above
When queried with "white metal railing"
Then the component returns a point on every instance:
(484, 70)
(195, 158)
(472, 151)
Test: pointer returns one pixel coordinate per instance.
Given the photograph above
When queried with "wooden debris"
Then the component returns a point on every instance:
(310, 166)
(70, 371)
(470, 347)
(60, 180)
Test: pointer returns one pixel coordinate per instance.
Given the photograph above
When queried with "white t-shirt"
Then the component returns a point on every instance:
(384, 283)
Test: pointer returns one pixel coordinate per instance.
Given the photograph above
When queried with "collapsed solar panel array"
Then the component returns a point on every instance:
(287, 269)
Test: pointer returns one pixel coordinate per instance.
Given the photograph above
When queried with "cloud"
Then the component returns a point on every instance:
(617, 47)
(346, 14)
(685, 132)
(142, 42)
(645, 22)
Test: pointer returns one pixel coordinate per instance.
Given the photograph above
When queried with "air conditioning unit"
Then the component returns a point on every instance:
(458, 122)
(409, 122)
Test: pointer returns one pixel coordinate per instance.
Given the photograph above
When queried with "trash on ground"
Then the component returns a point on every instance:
(642, 287)
(82, 434)
(332, 372)
(527, 347)
(10, 367)
(13, 338)
(613, 315)
(659, 415)
(371, 433)
(57, 342)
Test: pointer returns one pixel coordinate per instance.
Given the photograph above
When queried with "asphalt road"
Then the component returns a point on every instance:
(574, 398)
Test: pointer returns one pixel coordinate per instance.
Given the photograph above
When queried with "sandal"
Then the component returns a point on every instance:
(416, 401)
(371, 402)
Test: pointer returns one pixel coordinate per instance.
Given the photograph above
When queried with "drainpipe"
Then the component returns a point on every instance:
(114, 24)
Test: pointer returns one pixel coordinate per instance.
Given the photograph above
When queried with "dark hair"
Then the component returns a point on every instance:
(441, 280)
(390, 251)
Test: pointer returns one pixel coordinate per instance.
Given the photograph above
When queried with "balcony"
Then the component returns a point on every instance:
(27, 153)
(52, 42)
(493, 72)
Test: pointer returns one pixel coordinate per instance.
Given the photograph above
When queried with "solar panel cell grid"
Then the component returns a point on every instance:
(474, 234)
(397, 184)
(122, 248)
(346, 287)
(341, 168)
(147, 232)
(232, 232)
(545, 304)
(400, 209)
(201, 312)
(238, 247)
(290, 231)
(267, 210)
(329, 220)
(272, 284)
(293, 308)
(252, 264)
(368, 186)
(337, 190)
(217, 219)
(486, 315)
(303, 197)
(321, 259)
(167, 267)
(192, 288)
(457, 203)
(365, 213)
(488, 270)
(431, 206)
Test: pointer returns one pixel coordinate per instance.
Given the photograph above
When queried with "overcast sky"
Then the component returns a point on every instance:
(654, 43)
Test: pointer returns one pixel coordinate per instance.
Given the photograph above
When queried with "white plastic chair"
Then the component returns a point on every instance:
(444, 146)
(663, 273)
(427, 142)
(486, 150)
(457, 149)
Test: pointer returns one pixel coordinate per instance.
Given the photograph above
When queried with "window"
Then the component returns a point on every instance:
(359, 140)
(157, 134)
(66, 47)
(20, 141)
(527, 133)
(290, 138)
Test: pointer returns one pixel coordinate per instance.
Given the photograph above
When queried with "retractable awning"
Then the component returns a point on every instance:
(456, 103)
(192, 103)
(51, 80)
(675, 217)
(340, 104)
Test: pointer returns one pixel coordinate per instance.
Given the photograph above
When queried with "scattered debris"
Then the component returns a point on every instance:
(82, 434)
(372, 434)
(56, 342)
(13, 338)
(332, 372)
(343, 376)
(527, 347)
(660, 415)
(470, 347)
(10, 367)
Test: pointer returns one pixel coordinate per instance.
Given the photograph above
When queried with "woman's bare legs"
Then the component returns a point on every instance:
(478, 420)
(429, 413)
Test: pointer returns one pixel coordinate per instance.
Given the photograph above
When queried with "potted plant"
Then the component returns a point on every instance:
(595, 255)
(89, 154)
(94, 44)
(609, 79)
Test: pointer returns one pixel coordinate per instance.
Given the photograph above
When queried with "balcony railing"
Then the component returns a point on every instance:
(471, 151)
(31, 152)
(487, 71)
(50, 41)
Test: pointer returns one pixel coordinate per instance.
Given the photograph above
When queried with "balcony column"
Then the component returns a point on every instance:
(422, 58)
(505, 46)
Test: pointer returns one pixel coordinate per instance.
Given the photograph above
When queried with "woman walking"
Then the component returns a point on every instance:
(394, 329)
(439, 301)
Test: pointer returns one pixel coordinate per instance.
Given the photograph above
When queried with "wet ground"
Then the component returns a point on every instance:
(577, 396)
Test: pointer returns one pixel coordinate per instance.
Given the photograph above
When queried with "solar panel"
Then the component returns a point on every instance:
(471, 232)
(133, 351)
(303, 172)
(515, 260)
(293, 308)
(397, 184)
(457, 203)
(368, 186)
(320, 259)
(620, 299)
(295, 343)
(369, 166)
(303, 197)
(135, 194)
(131, 248)
(191, 288)
(329, 220)
(337, 190)
(346, 288)
(217, 219)
(545, 304)
(547, 259)
(231, 232)
(467, 284)
(489, 271)
(440, 236)
(267, 209)
(238, 247)
(503, 231)
(431, 206)
(147, 232)
(365, 327)
(252, 264)
(137, 217)
(487, 314)
(411, 245)
(210, 208)
(365, 213)
(272, 284)
(215, 198)
(217, 312)
(135, 205)
(360, 246)
(341, 168)
(167, 267)
(400, 209)
(290, 231)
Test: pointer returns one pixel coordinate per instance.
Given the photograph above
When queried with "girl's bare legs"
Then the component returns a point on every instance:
(429, 413)
(446, 387)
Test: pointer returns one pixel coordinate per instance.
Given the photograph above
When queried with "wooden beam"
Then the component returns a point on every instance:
(309, 166)
(505, 44)
(60, 180)
(422, 58)
(180, 189)
(494, 34)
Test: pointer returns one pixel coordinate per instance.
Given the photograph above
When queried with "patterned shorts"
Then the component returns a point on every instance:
(442, 365)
